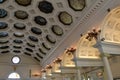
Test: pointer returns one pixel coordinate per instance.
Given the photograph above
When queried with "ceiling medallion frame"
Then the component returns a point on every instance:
(1, 1)
(45, 7)
(50, 39)
(3, 13)
(65, 18)
(40, 20)
(57, 30)
(3, 25)
(23, 2)
(21, 14)
(77, 5)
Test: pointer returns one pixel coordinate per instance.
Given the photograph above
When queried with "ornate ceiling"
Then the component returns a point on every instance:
(35, 27)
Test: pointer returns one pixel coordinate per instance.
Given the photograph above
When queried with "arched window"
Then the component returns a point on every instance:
(14, 75)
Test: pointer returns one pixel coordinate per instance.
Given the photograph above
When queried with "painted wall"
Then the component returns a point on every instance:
(26, 68)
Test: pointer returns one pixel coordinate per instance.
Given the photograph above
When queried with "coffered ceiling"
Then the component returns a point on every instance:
(35, 27)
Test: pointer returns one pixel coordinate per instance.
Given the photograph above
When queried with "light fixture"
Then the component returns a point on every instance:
(15, 59)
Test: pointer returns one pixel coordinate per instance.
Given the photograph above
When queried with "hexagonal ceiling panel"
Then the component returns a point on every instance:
(36, 27)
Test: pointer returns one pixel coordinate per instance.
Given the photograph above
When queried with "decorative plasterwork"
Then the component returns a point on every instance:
(85, 23)
(77, 5)
(111, 26)
(45, 7)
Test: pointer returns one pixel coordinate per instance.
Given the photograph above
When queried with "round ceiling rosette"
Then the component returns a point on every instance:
(28, 49)
(17, 41)
(41, 50)
(6, 51)
(40, 20)
(39, 55)
(19, 26)
(77, 5)
(36, 30)
(23, 2)
(4, 47)
(1, 1)
(21, 14)
(3, 25)
(18, 34)
(46, 46)
(30, 44)
(33, 38)
(45, 7)
(3, 41)
(51, 39)
(3, 13)
(65, 18)
(3, 34)
(57, 30)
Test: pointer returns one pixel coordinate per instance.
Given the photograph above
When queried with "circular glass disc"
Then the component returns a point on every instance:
(15, 59)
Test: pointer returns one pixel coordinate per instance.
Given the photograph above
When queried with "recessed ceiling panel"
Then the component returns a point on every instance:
(3, 25)
(3, 13)
(33, 38)
(51, 39)
(4, 41)
(19, 26)
(36, 30)
(42, 51)
(45, 7)
(4, 47)
(77, 5)
(57, 30)
(23, 2)
(17, 41)
(1, 1)
(18, 34)
(40, 20)
(26, 53)
(36, 59)
(17, 46)
(29, 49)
(31, 44)
(46, 46)
(39, 55)
(6, 51)
(17, 51)
(21, 14)
(65, 18)
(3, 34)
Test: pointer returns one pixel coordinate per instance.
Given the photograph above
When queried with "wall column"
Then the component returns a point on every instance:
(78, 74)
(107, 68)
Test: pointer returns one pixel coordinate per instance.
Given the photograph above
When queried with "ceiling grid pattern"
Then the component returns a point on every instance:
(35, 27)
